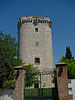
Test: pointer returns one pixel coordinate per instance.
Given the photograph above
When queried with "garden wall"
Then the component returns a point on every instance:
(62, 82)
(6, 94)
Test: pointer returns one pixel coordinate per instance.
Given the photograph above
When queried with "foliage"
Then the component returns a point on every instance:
(54, 77)
(31, 76)
(70, 67)
(9, 84)
(68, 54)
(18, 62)
(8, 53)
(70, 64)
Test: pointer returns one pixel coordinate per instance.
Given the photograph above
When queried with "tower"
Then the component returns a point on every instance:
(35, 42)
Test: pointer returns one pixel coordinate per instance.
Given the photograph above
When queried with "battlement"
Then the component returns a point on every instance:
(34, 19)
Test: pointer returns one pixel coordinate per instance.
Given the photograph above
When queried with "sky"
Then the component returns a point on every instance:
(60, 12)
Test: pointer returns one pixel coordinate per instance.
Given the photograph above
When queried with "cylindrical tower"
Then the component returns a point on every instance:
(35, 42)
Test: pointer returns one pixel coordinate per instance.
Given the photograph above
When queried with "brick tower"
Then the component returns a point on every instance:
(35, 42)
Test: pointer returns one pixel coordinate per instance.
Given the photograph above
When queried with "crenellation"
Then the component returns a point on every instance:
(34, 20)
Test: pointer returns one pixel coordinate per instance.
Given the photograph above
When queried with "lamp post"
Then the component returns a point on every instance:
(40, 85)
(24, 84)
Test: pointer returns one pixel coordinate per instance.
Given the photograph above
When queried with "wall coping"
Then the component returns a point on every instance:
(62, 64)
(19, 67)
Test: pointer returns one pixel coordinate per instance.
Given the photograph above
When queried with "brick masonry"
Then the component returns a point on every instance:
(18, 93)
(62, 82)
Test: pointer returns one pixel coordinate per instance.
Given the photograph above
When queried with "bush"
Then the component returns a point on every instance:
(9, 84)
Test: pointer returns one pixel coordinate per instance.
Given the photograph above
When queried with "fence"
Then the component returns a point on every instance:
(43, 90)
(38, 94)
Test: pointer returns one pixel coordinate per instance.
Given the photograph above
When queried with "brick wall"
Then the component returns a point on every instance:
(18, 93)
(62, 81)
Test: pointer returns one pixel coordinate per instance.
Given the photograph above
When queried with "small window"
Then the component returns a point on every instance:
(37, 61)
(36, 29)
(60, 71)
(36, 85)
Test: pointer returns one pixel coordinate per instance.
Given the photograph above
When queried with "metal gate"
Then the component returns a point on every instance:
(38, 94)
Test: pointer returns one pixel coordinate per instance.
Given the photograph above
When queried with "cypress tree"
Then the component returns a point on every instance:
(68, 54)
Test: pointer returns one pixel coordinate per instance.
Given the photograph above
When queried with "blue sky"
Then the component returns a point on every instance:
(61, 13)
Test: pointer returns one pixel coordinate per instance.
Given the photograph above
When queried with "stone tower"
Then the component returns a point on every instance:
(35, 42)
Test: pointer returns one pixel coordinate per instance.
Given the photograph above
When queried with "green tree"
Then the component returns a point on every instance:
(8, 53)
(31, 76)
(54, 77)
(68, 54)
(70, 67)
(70, 63)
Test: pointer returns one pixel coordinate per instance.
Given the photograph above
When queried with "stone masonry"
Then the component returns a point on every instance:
(34, 36)
(35, 43)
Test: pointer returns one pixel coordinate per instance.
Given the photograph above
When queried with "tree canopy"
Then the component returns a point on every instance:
(69, 59)
(68, 53)
(8, 53)
(70, 63)
(31, 76)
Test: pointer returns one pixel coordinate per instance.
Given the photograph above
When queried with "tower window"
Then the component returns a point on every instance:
(36, 29)
(37, 61)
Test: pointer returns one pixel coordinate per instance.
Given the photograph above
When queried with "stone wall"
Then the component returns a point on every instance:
(6, 94)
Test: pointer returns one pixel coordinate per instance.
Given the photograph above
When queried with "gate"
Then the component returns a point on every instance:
(38, 94)
(44, 91)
